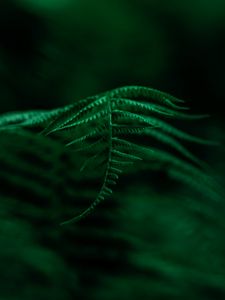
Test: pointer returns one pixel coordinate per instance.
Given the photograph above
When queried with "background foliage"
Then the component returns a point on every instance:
(154, 238)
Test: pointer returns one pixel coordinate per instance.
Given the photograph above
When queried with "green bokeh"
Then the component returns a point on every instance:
(154, 239)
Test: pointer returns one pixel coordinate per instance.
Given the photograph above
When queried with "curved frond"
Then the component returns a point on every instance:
(101, 126)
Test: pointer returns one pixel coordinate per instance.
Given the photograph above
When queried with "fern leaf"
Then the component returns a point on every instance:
(65, 114)
(161, 137)
(153, 94)
(97, 145)
(152, 154)
(95, 117)
(100, 126)
(98, 132)
(125, 155)
(127, 116)
(25, 118)
(144, 107)
(87, 109)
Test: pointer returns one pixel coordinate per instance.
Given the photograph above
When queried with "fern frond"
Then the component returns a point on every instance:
(65, 114)
(95, 117)
(144, 107)
(25, 118)
(100, 127)
(189, 171)
(161, 137)
(95, 146)
(105, 190)
(146, 92)
(125, 155)
(85, 110)
(123, 116)
(97, 132)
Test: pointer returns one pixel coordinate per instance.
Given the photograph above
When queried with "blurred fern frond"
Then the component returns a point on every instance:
(108, 127)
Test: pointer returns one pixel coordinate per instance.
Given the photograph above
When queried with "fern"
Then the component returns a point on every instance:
(102, 125)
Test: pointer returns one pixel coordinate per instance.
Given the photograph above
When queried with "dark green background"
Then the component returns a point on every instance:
(154, 239)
